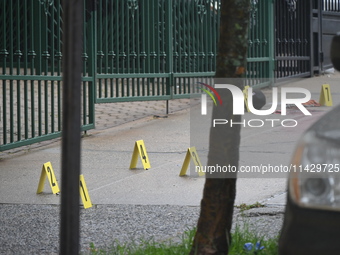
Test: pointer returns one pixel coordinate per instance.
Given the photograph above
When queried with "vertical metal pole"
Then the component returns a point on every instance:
(320, 52)
(167, 107)
(271, 43)
(169, 49)
(72, 67)
(311, 39)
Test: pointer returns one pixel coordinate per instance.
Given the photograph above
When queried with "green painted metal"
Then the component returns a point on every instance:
(152, 50)
(261, 58)
(31, 73)
(133, 50)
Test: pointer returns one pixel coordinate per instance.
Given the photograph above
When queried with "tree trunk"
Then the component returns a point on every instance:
(214, 224)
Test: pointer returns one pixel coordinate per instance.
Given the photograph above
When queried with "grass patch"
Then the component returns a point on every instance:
(149, 247)
(239, 238)
(244, 206)
(242, 236)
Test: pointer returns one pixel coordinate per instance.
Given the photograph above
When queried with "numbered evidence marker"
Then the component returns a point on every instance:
(47, 171)
(140, 150)
(191, 154)
(84, 194)
(325, 95)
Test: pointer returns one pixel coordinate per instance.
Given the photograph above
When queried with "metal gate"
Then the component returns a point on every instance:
(292, 38)
(30, 73)
(151, 50)
(144, 50)
(260, 59)
(133, 50)
(325, 24)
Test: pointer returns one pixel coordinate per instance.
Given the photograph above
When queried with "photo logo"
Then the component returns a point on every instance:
(240, 98)
(204, 97)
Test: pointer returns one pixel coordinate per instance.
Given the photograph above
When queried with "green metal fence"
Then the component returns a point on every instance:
(195, 32)
(133, 50)
(261, 58)
(149, 50)
(30, 73)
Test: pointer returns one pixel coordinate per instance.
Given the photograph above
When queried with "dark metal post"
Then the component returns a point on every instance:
(72, 67)
(167, 107)
(320, 56)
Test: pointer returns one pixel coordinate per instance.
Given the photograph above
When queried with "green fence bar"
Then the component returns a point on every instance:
(30, 73)
(260, 67)
(158, 48)
(136, 50)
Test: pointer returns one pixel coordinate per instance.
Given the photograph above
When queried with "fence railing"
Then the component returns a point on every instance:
(292, 39)
(30, 73)
(149, 50)
(143, 50)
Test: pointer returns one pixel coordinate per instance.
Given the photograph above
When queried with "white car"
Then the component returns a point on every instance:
(312, 217)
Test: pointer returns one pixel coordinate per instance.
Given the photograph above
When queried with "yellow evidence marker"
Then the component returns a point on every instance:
(191, 153)
(325, 95)
(84, 194)
(140, 149)
(47, 171)
(245, 95)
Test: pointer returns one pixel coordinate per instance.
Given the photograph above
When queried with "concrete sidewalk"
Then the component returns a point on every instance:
(107, 152)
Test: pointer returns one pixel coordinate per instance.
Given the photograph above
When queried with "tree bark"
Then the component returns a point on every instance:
(214, 224)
